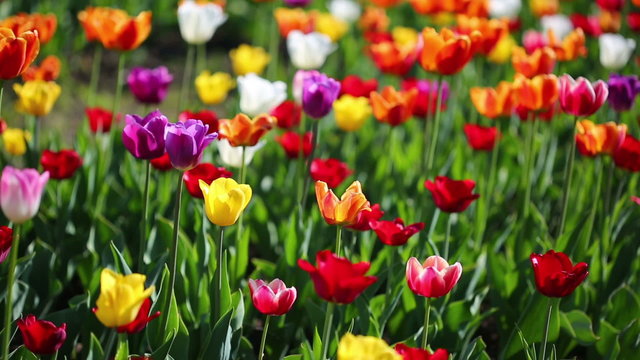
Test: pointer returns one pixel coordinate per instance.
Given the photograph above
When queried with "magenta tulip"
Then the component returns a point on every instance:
(272, 298)
(580, 97)
(434, 278)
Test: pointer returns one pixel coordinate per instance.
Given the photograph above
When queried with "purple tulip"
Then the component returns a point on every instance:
(623, 91)
(318, 94)
(185, 141)
(144, 137)
(20, 193)
(149, 86)
(297, 3)
(298, 83)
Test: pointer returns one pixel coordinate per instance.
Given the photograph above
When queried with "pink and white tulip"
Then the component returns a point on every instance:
(434, 278)
(580, 97)
(20, 193)
(272, 298)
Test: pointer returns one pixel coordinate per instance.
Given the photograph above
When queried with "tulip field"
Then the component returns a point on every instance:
(320, 179)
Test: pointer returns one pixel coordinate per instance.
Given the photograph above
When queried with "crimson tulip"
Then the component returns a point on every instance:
(291, 142)
(162, 163)
(40, 336)
(427, 98)
(100, 119)
(208, 117)
(555, 275)
(434, 278)
(364, 218)
(482, 138)
(409, 353)
(627, 156)
(141, 320)
(395, 233)
(451, 196)
(206, 172)
(272, 298)
(635, 199)
(331, 171)
(288, 114)
(358, 87)
(60, 165)
(580, 97)
(6, 239)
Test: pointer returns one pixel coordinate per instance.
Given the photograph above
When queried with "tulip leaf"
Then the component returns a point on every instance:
(578, 325)
(608, 346)
(22, 353)
(118, 260)
(122, 353)
(95, 349)
(622, 302)
(317, 345)
(220, 345)
(291, 242)
(165, 328)
(293, 357)
(162, 352)
(475, 350)
(533, 322)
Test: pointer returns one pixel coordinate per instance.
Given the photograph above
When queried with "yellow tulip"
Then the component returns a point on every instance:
(331, 26)
(224, 200)
(405, 36)
(15, 141)
(37, 97)
(351, 112)
(121, 297)
(502, 52)
(213, 88)
(249, 59)
(365, 348)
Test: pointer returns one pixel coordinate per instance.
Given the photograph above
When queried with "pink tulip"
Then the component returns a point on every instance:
(272, 298)
(635, 199)
(20, 193)
(580, 97)
(434, 278)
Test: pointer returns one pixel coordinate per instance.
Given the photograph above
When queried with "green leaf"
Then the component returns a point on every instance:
(317, 345)
(123, 347)
(119, 261)
(95, 349)
(608, 346)
(22, 353)
(291, 242)
(532, 325)
(220, 346)
(165, 328)
(578, 325)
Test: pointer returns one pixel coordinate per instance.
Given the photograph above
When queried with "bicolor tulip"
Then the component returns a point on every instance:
(6, 240)
(391, 57)
(555, 275)
(492, 31)
(482, 138)
(206, 172)
(185, 142)
(15, 141)
(144, 137)
(293, 19)
(538, 93)
(627, 156)
(288, 114)
(258, 95)
(114, 28)
(615, 50)
(244, 131)
(162, 163)
(427, 98)
(571, 47)
(318, 94)
(357, 347)
(233, 155)
(142, 319)
(225, 200)
(580, 97)
(49, 70)
(347, 10)
(199, 20)
(409, 353)
(623, 91)
(332, 26)
(121, 297)
(295, 145)
(45, 25)
(343, 211)
(60, 164)
(208, 117)
(435, 278)
(213, 88)
(331, 171)
(21, 192)
(374, 20)
(594, 139)
(451, 196)
(365, 218)
(37, 97)
(351, 112)
(149, 86)
(355, 86)
(272, 298)
(41, 337)
(541, 61)
(247, 59)
(393, 107)
(337, 279)
(493, 102)
(446, 53)
(395, 233)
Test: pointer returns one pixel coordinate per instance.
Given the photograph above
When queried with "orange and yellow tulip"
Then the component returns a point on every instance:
(541, 61)
(594, 139)
(46, 24)
(343, 211)
(293, 19)
(393, 107)
(544, 7)
(571, 47)
(538, 93)
(446, 53)
(244, 131)
(492, 31)
(374, 20)
(493, 102)
(16, 52)
(610, 21)
(114, 28)
(48, 70)
(386, 3)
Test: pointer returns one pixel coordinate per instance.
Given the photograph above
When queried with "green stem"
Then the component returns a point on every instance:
(54, 356)
(8, 310)
(173, 257)
(243, 175)
(436, 127)
(546, 331)
(119, 82)
(36, 141)
(186, 78)
(425, 336)
(568, 176)
(95, 74)
(123, 347)
(110, 341)
(447, 237)
(202, 57)
(218, 274)
(339, 240)
(307, 177)
(428, 124)
(243, 165)
(264, 337)
(528, 165)
(274, 46)
(1, 95)
(145, 218)
(326, 333)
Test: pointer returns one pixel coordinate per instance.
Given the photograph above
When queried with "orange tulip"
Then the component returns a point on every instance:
(492, 31)
(541, 61)
(343, 211)
(478, 8)
(474, 8)
(594, 139)
(48, 70)
(610, 21)
(544, 7)
(393, 107)
(374, 20)
(114, 28)
(293, 19)
(393, 58)
(244, 131)
(538, 93)
(16, 52)
(91, 20)
(426, 7)
(46, 25)
(446, 53)
(572, 47)
(493, 102)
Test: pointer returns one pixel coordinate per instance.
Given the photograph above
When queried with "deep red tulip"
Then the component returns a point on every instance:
(206, 172)
(355, 86)
(589, 24)
(555, 275)
(409, 353)
(291, 142)
(365, 217)
(162, 163)
(633, 19)
(141, 320)
(60, 165)
(452, 196)
(482, 138)
(336, 279)
(6, 239)
(610, 5)
(207, 117)
(40, 336)
(427, 98)
(100, 119)
(635, 199)
(580, 97)
(288, 114)
(331, 171)
(272, 298)
(395, 233)
(627, 156)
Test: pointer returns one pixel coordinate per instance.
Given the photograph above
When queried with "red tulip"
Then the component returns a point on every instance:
(60, 165)
(543, 115)
(3, 125)
(162, 163)
(100, 119)
(409, 353)
(291, 141)
(207, 117)
(331, 171)
(40, 336)
(555, 275)
(481, 138)
(365, 217)
(288, 114)
(627, 156)
(206, 172)
(435, 278)
(272, 298)
(6, 239)
(394, 233)
(589, 24)
(580, 97)
(635, 199)
(337, 279)
(427, 98)
(452, 196)
(355, 86)
(141, 320)
(610, 5)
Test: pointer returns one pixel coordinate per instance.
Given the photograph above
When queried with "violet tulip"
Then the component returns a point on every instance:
(144, 137)
(298, 83)
(185, 141)
(272, 298)
(433, 279)
(149, 86)
(623, 91)
(20, 193)
(297, 3)
(318, 94)
(580, 97)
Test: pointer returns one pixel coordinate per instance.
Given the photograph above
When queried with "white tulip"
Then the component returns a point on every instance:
(347, 10)
(198, 22)
(504, 8)
(308, 51)
(615, 50)
(232, 155)
(560, 24)
(258, 95)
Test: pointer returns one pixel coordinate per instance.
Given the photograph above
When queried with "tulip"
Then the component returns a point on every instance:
(20, 193)
(358, 87)
(3, 126)
(318, 94)
(374, 20)
(544, 7)
(45, 24)
(331, 171)
(258, 95)
(247, 59)
(493, 102)
(533, 40)
(291, 143)
(365, 347)
(199, 21)
(433, 279)
(427, 99)
(6, 239)
(560, 25)
(393, 58)
(206, 172)
(332, 26)
(589, 24)
(393, 107)
(395, 233)
(274, 298)
(288, 114)
(555, 275)
(308, 51)
(92, 18)
(611, 5)
(451, 196)
(505, 8)
(232, 156)
(208, 117)
(49, 70)
(635, 199)
(114, 28)
(623, 91)
(213, 88)
(336, 279)
(298, 83)
(40, 336)
(446, 53)
(615, 50)
(224, 200)
(162, 163)
(15, 141)
(501, 54)
(347, 10)
(627, 156)
(492, 31)
(482, 138)
(62, 164)
(141, 320)
(537, 93)
(293, 19)
(594, 139)
(121, 297)
(581, 98)
(36, 97)
(351, 112)
(185, 142)
(100, 119)
(144, 137)
(409, 353)
(243, 131)
(541, 61)
(366, 218)
(343, 211)
(571, 47)
(149, 86)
